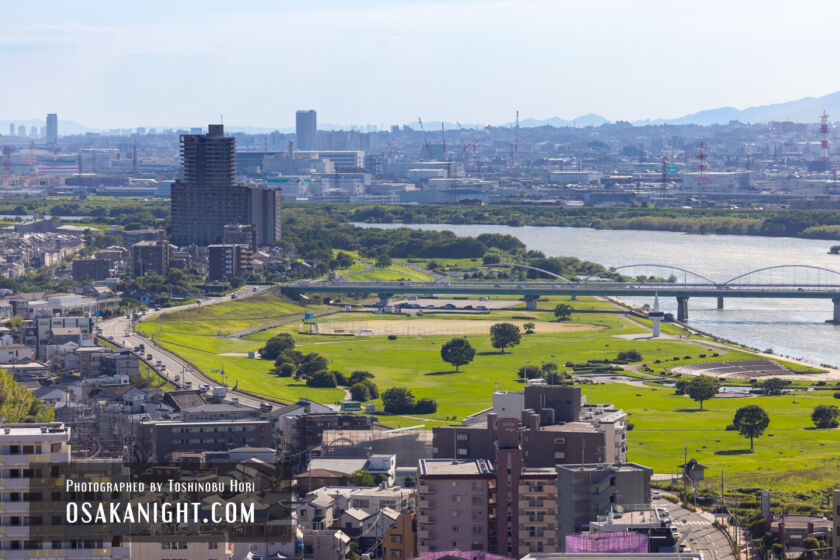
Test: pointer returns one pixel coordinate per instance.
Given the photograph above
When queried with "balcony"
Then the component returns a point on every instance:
(424, 489)
(425, 519)
(425, 534)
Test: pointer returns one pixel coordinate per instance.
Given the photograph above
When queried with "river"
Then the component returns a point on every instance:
(794, 328)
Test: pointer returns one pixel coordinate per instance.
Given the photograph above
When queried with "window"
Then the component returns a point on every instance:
(559, 454)
(462, 452)
(462, 437)
(476, 515)
(476, 500)
(213, 545)
(559, 441)
(476, 485)
(396, 538)
(454, 484)
(456, 528)
(476, 529)
(456, 513)
(396, 554)
(456, 499)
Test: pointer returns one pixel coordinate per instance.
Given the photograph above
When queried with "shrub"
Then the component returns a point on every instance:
(285, 369)
(392, 337)
(530, 372)
(426, 406)
(630, 356)
(837, 394)
(322, 379)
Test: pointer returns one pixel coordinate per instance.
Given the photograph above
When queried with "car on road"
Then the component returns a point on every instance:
(265, 407)
(110, 337)
(234, 296)
(254, 289)
(198, 302)
(159, 363)
(662, 512)
(149, 357)
(126, 334)
(656, 494)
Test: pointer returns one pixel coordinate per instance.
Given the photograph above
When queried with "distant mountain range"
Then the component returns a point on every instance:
(805, 110)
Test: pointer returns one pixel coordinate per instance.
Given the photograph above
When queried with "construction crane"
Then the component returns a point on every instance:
(443, 138)
(465, 147)
(425, 140)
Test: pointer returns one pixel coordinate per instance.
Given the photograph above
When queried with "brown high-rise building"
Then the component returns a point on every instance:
(208, 198)
(209, 159)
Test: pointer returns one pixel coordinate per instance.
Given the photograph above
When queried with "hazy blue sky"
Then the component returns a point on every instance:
(180, 62)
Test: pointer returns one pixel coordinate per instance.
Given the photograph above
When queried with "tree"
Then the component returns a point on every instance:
(276, 345)
(426, 406)
(503, 335)
(458, 352)
(529, 328)
(826, 416)
(361, 478)
(409, 482)
(284, 369)
(312, 363)
(364, 391)
(751, 421)
(322, 379)
(774, 386)
(630, 356)
(383, 260)
(702, 388)
(548, 368)
(554, 378)
(563, 311)
(530, 372)
(398, 400)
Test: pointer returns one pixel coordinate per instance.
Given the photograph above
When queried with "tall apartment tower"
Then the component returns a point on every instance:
(52, 128)
(209, 159)
(208, 198)
(306, 130)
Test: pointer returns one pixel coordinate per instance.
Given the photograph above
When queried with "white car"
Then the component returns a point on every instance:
(656, 494)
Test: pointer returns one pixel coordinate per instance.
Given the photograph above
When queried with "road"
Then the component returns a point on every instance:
(703, 536)
(115, 330)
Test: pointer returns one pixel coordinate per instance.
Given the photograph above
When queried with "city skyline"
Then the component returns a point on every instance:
(354, 64)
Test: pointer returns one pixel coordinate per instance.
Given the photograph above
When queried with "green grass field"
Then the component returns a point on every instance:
(795, 456)
(228, 317)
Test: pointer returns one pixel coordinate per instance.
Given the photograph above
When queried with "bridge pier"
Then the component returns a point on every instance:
(384, 299)
(720, 303)
(835, 319)
(682, 308)
(531, 302)
(573, 297)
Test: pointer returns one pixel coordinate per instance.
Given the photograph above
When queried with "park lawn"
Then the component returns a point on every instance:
(795, 457)
(227, 317)
(253, 376)
(415, 362)
(387, 275)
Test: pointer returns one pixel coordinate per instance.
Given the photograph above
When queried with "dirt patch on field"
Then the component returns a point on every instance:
(420, 327)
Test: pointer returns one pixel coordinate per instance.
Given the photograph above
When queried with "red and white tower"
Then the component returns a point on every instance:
(701, 164)
(824, 157)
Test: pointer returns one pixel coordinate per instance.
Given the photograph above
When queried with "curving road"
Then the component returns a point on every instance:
(116, 329)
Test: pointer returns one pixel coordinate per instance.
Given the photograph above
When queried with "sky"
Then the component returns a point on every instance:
(110, 64)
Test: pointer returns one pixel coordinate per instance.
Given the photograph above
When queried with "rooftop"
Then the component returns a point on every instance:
(454, 467)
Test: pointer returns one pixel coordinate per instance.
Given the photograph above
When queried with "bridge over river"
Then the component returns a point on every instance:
(781, 282)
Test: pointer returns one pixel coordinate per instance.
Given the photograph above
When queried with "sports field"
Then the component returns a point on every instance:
(423, 327)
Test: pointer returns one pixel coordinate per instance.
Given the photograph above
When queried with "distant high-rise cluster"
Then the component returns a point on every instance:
(306, 130)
